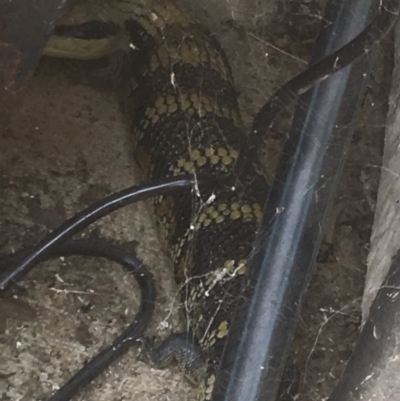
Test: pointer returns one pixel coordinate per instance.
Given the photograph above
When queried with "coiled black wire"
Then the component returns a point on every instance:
(59, 243)
(104, 249)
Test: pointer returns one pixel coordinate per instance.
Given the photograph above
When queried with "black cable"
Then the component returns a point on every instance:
(103, 249)
(295, 213)
(98, 210)
(59, 243)
(313, 75)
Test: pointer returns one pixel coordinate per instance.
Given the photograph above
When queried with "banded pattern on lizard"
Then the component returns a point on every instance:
(185, 119)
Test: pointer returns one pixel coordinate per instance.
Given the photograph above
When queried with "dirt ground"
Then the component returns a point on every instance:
(66, 144)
